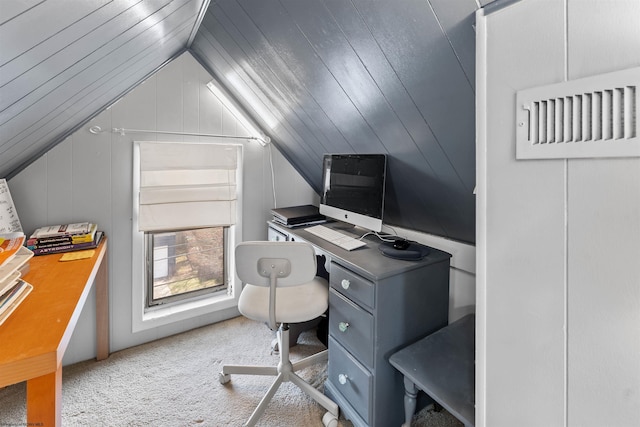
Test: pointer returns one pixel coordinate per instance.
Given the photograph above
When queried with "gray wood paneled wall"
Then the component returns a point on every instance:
(361, 76)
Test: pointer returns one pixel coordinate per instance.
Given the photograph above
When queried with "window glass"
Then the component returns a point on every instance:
(185, 264)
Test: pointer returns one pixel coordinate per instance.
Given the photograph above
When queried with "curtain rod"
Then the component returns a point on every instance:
(263, 140)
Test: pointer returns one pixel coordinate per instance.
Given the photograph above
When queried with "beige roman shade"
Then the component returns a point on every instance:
(187, 185)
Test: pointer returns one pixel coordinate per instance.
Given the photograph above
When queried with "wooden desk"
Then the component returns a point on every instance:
(34, 338)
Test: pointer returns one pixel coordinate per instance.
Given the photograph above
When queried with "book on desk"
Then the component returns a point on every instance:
(14, 260)
(14, 257)
(64, 238)
(298, 216)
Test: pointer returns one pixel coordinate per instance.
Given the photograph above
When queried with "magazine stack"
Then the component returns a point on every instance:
(64, 238)
(14, 263)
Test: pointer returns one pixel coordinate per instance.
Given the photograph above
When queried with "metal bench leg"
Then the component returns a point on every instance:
(410, 394)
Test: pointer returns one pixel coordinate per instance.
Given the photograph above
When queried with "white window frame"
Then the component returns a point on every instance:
(144, 318)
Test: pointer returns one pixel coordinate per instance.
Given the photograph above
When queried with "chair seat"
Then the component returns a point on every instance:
(293, 303)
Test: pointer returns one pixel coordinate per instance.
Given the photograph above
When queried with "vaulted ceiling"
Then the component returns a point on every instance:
(319, 76)
(64, 61)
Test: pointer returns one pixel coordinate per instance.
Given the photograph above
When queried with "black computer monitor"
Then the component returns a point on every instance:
(353, 188)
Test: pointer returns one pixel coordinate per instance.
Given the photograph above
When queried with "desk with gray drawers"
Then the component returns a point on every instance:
(377, 305)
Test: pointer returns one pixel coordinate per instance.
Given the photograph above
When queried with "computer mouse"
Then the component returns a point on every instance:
(401, 244)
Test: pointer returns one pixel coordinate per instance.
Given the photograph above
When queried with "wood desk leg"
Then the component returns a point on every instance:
(44, 400)
(410, 395)
(102, 310)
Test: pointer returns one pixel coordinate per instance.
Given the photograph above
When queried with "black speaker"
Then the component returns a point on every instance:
(415, 251)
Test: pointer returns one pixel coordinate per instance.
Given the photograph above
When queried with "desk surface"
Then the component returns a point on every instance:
(34, 338)
(367, 260)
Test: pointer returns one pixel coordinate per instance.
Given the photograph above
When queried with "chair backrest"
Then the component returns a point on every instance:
(295, 261)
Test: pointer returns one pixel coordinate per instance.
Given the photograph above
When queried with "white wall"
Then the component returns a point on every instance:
(89, 178)
(558, 288)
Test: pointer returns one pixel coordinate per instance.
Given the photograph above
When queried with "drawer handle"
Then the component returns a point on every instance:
(345, 283)
(343, 326)
(342, 379)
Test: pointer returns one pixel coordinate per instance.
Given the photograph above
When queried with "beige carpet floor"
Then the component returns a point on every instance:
(174, 382)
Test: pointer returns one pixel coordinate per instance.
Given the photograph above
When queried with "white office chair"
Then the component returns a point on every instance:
(281, 287)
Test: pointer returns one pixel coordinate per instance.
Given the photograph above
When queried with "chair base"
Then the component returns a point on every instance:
(285, 372)
(295, 329)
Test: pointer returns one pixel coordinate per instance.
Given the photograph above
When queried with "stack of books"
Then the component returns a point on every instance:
(14, 263)
(64, 238)
(297, 216)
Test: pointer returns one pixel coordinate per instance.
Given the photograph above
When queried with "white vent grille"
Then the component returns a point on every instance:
(590, 117)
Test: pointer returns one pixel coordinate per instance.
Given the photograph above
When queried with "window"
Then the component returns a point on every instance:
(185, 264)
(186, 204)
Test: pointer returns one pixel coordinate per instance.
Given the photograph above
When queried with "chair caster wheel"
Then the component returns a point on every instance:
(329, 420)
(224, 378)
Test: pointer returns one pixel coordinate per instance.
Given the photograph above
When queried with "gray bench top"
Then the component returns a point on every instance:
(443, 366)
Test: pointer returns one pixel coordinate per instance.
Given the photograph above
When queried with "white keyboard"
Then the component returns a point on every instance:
(332, 236)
